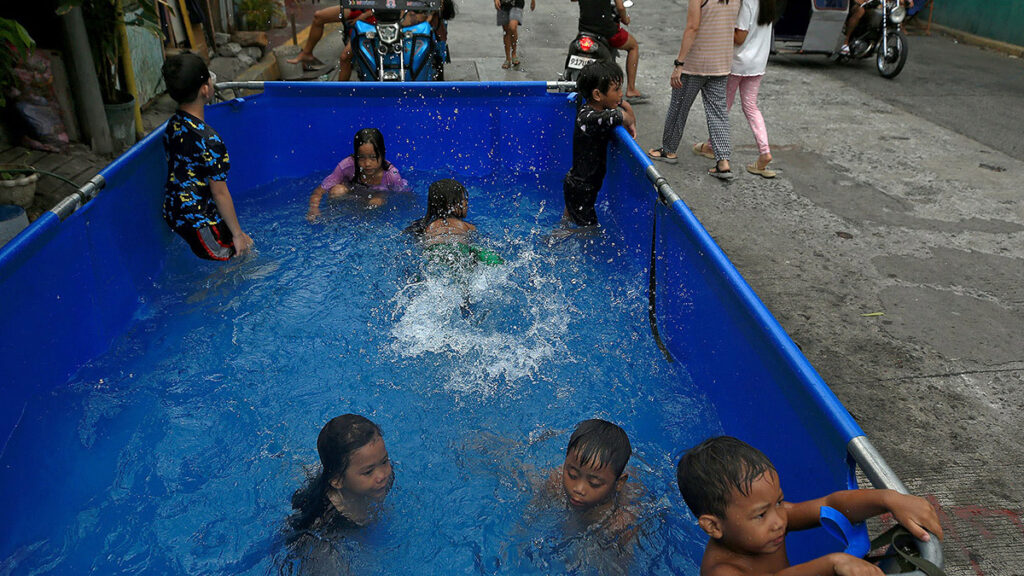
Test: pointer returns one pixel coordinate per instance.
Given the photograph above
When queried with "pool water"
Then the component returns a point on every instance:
(178, 450)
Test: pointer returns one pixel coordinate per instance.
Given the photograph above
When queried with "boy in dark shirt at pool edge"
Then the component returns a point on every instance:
(197, 204)
(600, 84)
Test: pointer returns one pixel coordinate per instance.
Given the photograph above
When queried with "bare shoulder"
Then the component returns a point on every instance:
(623, 524)
(723, 569)
(442, 229)
(554, 480)
(717, 562)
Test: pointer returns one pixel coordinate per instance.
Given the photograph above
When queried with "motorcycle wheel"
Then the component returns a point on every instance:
(890, 64)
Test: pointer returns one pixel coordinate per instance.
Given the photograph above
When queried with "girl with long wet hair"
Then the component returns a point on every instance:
(366, 171)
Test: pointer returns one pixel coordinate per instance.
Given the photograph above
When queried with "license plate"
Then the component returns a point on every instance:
(578, 62)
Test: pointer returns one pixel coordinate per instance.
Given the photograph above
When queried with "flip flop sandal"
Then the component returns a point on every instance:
(312, 65)
(698, 149)
(726, 175)
(638, 99)
(660, 155)
(506, 65)
(762, 172)
(515, 62)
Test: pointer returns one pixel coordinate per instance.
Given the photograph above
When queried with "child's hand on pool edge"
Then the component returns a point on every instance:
(915, 514)
(628, 118)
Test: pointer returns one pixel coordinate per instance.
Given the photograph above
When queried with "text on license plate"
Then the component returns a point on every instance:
(579, 62)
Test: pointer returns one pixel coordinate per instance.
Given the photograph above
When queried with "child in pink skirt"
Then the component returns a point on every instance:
(753, 38)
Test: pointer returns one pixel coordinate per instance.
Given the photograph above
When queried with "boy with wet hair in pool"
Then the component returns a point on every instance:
(600, 86)
(197, 204)
(593, 481)
(734, 491)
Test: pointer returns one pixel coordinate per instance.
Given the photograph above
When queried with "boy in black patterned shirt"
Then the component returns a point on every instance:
(600, 84)
(197, 204)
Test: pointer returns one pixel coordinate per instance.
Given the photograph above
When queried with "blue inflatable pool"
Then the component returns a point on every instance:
(94, 345)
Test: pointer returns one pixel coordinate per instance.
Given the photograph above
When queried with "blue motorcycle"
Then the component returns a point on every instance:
(401, 45)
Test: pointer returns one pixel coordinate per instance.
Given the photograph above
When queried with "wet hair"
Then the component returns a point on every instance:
(600, 76)
(600, 443)
(447, 9)
(184, 74)
(710, 472)
(338, 439)
(765, 12)
(373, 137)
(444, 198)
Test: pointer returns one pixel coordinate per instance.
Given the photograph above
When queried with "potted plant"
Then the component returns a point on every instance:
(15, 44)
(17, 184)
(105, 20)
(259, 14)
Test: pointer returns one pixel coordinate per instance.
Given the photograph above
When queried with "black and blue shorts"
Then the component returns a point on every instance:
(211, 242)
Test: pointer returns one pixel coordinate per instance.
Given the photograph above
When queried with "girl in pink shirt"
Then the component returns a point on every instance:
(366, 170)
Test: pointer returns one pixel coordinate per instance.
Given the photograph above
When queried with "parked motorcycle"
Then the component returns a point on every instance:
(387, 51)
(879, 33)
(588, 47)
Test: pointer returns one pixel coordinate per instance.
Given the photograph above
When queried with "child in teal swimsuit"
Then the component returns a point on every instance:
(444, 230)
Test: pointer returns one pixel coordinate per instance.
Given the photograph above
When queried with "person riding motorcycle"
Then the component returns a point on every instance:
(856, 13)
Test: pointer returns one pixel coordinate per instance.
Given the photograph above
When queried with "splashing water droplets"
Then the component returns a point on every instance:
(496, 325)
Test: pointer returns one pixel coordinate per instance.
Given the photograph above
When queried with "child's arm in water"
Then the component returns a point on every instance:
(912, 512)
(226, 209)
(314, 204)
(333, 185)
(836, 563)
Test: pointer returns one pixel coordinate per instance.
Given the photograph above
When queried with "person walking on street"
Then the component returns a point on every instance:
(510, 15)
(703, 65)
(753, 39)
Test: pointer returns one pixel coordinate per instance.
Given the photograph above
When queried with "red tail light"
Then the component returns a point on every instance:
(587, 44)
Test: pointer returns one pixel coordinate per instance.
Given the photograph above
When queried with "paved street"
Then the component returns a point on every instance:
(896, 197)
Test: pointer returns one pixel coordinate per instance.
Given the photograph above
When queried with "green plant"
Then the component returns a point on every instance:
(15, 44)
(258, 14)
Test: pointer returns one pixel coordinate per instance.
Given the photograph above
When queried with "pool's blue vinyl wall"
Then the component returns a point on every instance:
(68, 289)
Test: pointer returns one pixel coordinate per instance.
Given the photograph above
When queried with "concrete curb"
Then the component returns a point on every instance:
(963, 37)
(265, 69)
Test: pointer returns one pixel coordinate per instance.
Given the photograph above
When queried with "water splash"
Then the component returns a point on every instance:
(494, 326)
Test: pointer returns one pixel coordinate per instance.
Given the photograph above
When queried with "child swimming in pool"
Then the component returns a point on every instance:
(444, 229)
(592, 483)
(346, 495)
(734, 491)
(355, 477)
(366, 170)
